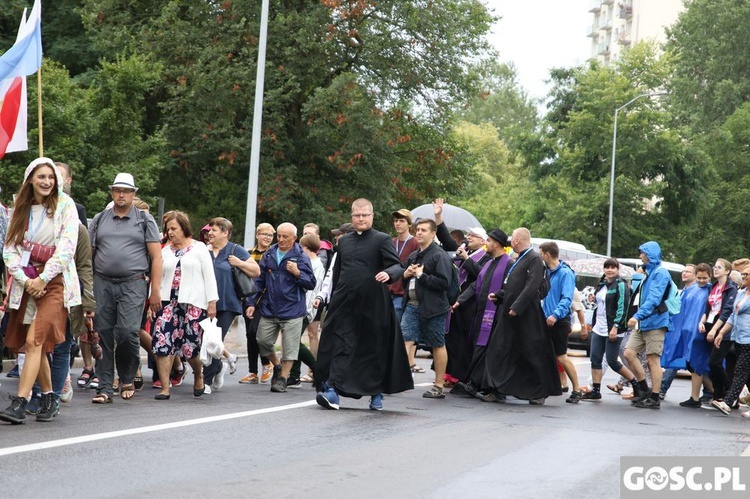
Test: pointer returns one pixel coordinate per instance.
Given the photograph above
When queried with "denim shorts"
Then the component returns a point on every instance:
(426, 332)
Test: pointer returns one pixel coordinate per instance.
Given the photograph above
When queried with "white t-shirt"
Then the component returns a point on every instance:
(600, 327)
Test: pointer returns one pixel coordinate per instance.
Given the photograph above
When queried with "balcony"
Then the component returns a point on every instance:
(605, 23)
(595, 6)
(623, 38)
(626, 10)
(608, 2)
(602, 49)
(591, 32)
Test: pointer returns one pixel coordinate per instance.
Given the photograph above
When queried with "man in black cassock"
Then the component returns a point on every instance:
(361, 351)
(520, 360)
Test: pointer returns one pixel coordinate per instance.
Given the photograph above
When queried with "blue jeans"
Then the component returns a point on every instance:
(398, 306)
(600, 345)
(60, 367)
(667, 378)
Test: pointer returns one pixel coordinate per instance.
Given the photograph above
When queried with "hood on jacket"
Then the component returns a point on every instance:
(48, 162)
(652, 250)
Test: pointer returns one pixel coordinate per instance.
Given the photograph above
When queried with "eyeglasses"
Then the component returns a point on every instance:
(744, 275)
(122, 191)
(719, 267)
(361, 215)
(265, 235)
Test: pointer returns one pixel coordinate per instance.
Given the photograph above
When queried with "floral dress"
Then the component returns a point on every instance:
(176, 328)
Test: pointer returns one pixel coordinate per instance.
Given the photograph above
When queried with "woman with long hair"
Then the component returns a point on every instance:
(39, 253)
(188, 280)
(718, 309)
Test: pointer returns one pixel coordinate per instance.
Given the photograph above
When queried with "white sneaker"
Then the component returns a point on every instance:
(232, 363)
(207, 390)
(67, 392)
(219, 378)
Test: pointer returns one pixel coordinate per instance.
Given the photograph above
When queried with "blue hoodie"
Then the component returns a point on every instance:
(652, 290)
(562, 285)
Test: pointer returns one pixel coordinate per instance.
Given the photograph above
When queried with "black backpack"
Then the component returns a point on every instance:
(545, 285)
(453, 286)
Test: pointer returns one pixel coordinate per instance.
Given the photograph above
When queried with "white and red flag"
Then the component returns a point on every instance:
(24, 58)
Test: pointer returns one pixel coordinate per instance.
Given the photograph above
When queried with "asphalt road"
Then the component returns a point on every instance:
(245, 441)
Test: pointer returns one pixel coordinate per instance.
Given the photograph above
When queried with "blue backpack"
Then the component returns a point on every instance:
(671, 301)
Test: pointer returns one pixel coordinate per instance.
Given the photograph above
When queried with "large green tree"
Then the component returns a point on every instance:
(712, 68)
(656, 164)
(357, 98)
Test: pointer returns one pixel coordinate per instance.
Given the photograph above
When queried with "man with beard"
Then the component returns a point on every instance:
(520, 360)
(362, 351)
(480, 296)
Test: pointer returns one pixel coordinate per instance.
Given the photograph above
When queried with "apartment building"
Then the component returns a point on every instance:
(617, 24)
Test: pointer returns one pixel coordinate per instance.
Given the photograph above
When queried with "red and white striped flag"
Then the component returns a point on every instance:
(22, 59)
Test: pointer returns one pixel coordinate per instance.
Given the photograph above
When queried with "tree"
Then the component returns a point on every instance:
(402, 66)
(503, 102)
(656, 164)
(500, 195)
(712, 68)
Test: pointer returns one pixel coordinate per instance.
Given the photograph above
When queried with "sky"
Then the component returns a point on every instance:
(537, 35)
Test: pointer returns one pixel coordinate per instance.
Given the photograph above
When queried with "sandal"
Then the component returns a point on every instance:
(127, 392)
(84, 380)
(616, 388)
(416, 369)
(101, 398)
(138, 382)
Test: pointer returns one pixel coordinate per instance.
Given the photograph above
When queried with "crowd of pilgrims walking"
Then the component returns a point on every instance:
(494, 313)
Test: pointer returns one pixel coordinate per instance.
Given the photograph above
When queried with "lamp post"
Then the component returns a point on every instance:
(612, 169)
(252, 184)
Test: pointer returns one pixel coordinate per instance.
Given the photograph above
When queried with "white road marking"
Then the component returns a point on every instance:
(146, 429)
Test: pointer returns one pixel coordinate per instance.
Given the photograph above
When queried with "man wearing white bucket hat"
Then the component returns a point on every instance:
(126, 250)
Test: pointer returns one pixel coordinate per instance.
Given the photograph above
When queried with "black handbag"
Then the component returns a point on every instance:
(244, 285)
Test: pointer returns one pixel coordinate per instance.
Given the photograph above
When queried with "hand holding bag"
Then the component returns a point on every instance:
(212, 346)
(244, 285)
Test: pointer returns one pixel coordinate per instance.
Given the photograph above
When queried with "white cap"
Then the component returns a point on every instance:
(124, 180)
(479, 232)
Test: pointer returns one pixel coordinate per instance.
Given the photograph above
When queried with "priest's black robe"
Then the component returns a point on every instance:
(520, 360)
(361, 350)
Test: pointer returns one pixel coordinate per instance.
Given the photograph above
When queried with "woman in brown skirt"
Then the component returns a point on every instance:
(39, 253)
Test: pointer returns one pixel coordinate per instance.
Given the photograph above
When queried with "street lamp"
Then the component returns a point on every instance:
(612, 170)
(252, 182)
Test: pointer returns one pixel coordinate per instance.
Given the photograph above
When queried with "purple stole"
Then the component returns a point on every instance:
(496, 283)
(463, 274)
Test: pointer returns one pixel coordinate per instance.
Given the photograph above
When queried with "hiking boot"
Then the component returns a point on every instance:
(575, 397)
(691, 402)
(328, 399)
(648, 403)
(14, 414)
(591, 396)
(34, 405)
(376, 402)
(278, 385)
(49, 409)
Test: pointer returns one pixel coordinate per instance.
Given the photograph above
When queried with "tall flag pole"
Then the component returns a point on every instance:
(24, 58)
